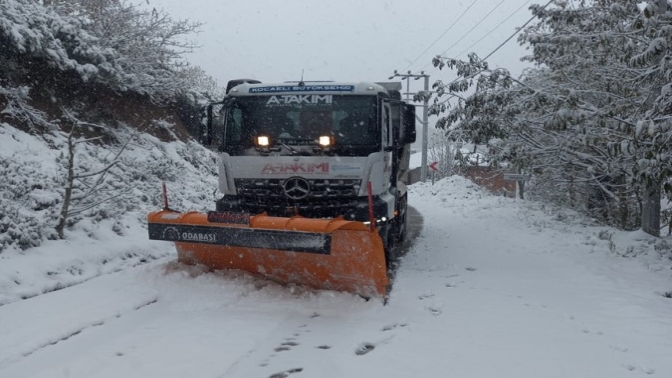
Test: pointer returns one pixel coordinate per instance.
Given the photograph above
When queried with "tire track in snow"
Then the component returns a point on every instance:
(84, 328)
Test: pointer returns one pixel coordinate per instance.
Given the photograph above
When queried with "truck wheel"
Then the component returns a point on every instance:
(388, 234)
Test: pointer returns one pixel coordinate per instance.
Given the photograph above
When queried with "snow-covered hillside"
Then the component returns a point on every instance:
(492, 287)
(105, 228)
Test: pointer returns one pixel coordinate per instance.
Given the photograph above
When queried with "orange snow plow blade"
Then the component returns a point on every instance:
(320, 253)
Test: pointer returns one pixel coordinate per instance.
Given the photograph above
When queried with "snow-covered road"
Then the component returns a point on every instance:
(493, 287)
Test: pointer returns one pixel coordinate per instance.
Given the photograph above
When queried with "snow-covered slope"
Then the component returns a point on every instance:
(493, 287)
(109, 233)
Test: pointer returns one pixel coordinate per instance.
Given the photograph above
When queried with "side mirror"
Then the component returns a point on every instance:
(408, 134)
(212, 131)
(206, 130)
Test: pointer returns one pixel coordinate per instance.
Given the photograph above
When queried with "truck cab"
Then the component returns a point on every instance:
(314, 149)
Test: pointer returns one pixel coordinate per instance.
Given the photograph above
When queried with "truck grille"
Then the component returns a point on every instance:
(325, 196)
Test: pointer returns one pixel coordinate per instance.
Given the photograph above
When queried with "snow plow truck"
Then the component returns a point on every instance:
(313, 176)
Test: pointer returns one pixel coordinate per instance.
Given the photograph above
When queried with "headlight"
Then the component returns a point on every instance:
(324, 141)
(263, 141)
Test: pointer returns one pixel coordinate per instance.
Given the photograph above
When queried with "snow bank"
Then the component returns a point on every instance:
(456, 194)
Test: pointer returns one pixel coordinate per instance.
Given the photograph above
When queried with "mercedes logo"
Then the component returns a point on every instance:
(296, 188)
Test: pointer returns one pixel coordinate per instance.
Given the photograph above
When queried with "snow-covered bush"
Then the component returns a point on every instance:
(26, 204)
(32, 189)
(18, 108)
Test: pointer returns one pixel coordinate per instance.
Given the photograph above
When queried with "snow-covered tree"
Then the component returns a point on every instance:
(112, 42)
(29, 30)
(588, 120)
(98, 59)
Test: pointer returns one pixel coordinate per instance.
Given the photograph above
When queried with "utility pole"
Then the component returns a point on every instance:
(425, 108)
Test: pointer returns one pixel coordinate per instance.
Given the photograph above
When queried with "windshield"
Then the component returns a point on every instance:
(302, 119)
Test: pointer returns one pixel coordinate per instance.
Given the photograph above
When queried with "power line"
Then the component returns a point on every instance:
(516, 32)
(426, 77)
(503, 43)
(441, 36)
(469, 31)
(495, 28)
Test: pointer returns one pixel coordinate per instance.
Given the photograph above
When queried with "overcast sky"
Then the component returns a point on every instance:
(344, 40)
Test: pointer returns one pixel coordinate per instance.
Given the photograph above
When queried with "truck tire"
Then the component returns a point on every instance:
(388, 234)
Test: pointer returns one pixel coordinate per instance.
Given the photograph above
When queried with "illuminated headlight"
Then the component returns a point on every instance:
(263, 141)
(324, 141)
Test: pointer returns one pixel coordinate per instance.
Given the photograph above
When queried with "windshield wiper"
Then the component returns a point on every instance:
(293, 151)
